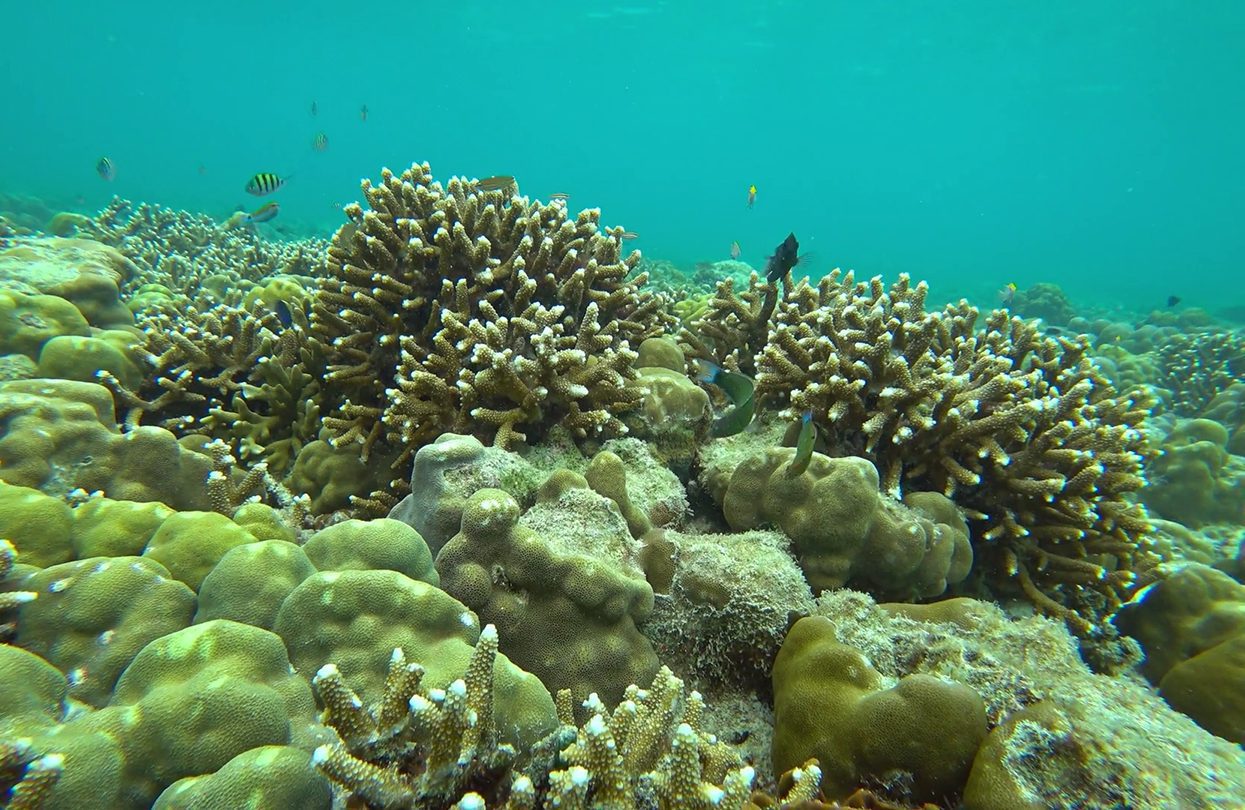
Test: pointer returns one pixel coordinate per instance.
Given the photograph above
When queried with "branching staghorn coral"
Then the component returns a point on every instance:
(181, 250)
(27, 779)
(1195, 367)
(420, 747)
(732, 329)
(650, 751)
(1019, 429)
(229, 374)
(453, 308)
(10, 600)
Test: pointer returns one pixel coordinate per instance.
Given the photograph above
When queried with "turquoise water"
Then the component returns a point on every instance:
(974, 143)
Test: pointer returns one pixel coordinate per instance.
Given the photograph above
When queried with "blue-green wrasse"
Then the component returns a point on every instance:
(265, 183)
(739, 389)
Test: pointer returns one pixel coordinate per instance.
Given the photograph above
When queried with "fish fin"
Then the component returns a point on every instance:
(706, 370)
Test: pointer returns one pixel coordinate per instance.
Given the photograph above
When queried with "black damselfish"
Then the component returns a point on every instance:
(786, 256)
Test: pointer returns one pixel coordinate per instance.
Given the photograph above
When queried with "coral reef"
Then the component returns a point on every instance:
(417, 746)
(1043, 300)
(194, 257)
(1020, 430)
(1192, 627)
(1196, 367)
(563, 585)
(1107, 736)
(844, 529)
(1195, 480)
(453, 308)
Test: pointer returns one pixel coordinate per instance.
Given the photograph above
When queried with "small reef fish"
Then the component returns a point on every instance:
(1007, 294)
(314, 109)
(558, 195)
(264, 213)
(739, 389)
(752, 195)
(499, 182)
(803, 445)
(320, 142)
(202, 170)
(735, 251)
(283, 314)
(105, 169)
(1173, 300)
(629, 235)
(786, 256)
(264, 183)
(363, 113)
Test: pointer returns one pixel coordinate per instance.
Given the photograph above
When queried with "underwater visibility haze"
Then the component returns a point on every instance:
(622, 405)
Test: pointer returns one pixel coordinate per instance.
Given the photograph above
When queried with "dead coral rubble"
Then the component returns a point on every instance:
(455, 308)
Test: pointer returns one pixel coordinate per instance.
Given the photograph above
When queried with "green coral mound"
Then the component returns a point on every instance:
(829, 703)
(563, 586)
(93, 616)
(269, 777)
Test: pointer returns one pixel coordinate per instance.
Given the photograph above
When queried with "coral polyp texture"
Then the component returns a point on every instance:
(193, 255)
(1020, 430)
(454, 308)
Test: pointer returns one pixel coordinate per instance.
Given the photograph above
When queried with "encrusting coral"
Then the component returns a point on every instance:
(455, 308)
(1020, 430)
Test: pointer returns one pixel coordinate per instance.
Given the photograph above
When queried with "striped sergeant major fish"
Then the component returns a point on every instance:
(265, 183)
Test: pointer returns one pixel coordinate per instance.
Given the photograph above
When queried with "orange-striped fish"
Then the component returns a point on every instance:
(558, 195)
(320, 142)
(735, 251)
(105, 169)
(629, 235)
